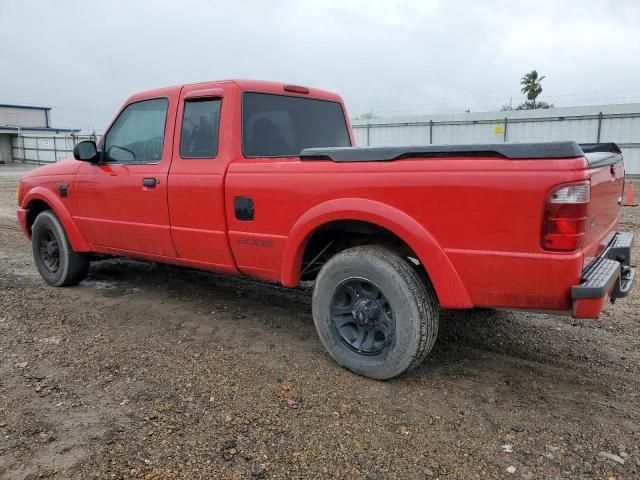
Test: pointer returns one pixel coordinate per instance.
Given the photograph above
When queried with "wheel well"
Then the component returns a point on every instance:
(336, 236)
(36, 207)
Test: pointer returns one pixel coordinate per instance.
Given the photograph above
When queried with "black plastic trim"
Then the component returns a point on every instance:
(63, 189)
(620, 248)
(243, 208)
(601, 159)
(511, 151)
(600, 147)
(603, 273)
(610, 272)
(149, 182)
(601, 154)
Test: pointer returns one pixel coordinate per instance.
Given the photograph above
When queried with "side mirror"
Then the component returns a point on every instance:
(85, 151)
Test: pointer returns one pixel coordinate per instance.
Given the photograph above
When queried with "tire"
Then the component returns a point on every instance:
(372, 289)
(56, 261)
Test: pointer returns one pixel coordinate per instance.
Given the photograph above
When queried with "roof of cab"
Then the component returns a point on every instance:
(245, 85)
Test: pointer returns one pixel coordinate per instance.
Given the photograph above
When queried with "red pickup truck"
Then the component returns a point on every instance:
(262, 179)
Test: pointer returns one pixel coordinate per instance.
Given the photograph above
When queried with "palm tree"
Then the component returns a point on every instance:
(531, 86)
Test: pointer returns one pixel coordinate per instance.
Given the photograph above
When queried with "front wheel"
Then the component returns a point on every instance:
(56, 261)
(373, 312)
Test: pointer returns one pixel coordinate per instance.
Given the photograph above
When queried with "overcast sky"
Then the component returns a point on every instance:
(83, 58)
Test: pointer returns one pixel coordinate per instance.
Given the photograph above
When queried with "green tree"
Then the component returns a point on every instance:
(531, 106)
(531, 86)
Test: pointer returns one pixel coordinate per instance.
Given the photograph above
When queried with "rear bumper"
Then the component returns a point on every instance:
(22, 220)
(609, 275)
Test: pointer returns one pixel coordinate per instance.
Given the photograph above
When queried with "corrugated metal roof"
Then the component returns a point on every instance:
(12, 129)
(28, 107)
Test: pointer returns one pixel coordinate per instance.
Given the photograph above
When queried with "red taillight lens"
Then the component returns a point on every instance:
(566, 214)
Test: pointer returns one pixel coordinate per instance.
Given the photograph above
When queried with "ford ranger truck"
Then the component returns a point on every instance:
(263, 179)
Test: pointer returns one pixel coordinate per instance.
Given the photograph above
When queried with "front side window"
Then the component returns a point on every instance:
(281, 125)
(199, 134)
(137, 136)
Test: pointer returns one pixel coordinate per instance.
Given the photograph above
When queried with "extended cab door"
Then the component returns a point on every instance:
(121, 203)
(201, 155)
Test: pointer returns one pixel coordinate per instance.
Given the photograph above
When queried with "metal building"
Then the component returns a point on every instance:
(603, 123)
(26, 134)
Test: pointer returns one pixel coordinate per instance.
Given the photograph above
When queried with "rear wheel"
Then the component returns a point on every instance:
(56, 261)
(373, 312)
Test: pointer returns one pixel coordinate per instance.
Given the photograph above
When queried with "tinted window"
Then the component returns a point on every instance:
(199, 137)
(137, 135)
(281, 126)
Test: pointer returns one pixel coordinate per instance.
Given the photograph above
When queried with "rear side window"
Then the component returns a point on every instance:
(281, 125)
(199, 134)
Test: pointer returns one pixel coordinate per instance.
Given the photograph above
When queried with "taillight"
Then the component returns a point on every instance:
(566, 215)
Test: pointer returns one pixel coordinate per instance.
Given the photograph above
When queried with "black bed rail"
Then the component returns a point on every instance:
(600, 147)
(511, 151)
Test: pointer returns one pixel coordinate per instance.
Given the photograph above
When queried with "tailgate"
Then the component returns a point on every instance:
(606, 171)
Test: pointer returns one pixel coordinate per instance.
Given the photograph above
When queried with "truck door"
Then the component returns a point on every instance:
(196, 179)
(121, 202)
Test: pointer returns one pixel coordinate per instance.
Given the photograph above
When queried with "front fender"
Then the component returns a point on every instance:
(447, 283)
(77, 240)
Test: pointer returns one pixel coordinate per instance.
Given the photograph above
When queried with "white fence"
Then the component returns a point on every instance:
(606, 123)
(45, 149)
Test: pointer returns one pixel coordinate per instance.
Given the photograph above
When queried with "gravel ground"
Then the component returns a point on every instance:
(157, 372)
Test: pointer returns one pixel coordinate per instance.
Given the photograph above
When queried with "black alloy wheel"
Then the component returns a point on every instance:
(49, 249)
(362, 316)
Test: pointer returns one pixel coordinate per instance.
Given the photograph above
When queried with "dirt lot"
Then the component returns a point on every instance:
(151, 372)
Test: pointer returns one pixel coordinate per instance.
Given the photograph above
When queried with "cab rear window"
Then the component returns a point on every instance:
(281, 126)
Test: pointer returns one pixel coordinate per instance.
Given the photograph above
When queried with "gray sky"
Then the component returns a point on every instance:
(84, 58)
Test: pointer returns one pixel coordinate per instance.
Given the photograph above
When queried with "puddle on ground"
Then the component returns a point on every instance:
(98, 284)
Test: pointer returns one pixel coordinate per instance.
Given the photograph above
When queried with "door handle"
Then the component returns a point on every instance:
(149, 182)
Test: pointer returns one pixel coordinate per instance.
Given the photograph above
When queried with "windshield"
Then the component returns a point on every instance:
(281, 125)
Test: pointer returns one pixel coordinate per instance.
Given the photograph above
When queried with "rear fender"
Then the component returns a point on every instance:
(446, 281)
(78, 242)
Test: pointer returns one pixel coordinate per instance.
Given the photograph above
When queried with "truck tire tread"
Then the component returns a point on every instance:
(416, 290)
(73, 266)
